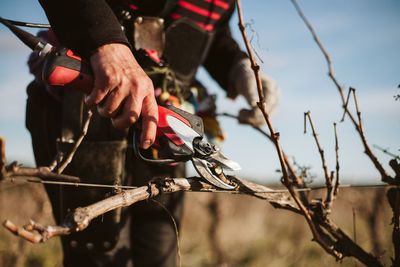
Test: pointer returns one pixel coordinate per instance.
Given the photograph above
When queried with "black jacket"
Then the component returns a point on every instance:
(85, 25)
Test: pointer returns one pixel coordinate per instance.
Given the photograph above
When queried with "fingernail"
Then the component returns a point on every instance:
(146, 144)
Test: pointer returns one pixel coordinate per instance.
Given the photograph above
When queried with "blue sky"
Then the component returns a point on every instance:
(361, 36)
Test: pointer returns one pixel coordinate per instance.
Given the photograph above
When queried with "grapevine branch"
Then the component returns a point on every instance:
(45, 173)
(331, 238)
(71, 154)
(80, 218)
(286, 181)
(13, 170)
(328, 177)
(337, 183)
(385, 177)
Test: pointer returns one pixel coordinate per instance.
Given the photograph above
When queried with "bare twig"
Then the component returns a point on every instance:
(351, 248)
(395, 165)
(2, 157)
(384, 175)
(328, 177)
(346, 104)
(357, 109)
(324, 52)
(344, 242)
(261, 103)
(386, 151)
(15, 171)
(360, 129)
(68, 159)
(43, 233)
(57, 160)
(31, 237)
(330, 195)
(275, 136)
(337, 182)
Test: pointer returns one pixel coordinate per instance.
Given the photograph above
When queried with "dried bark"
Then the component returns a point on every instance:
(15, 171)
(80, 218)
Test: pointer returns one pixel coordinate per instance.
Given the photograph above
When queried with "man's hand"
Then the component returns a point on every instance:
(122, 91)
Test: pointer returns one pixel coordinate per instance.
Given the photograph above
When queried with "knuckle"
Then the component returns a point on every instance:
(105, 111)
(96, 97)
(96, 100)
(132, 118)
(153, 117)
(149, 85)
(108, 73)
(108, 78)
(145, 85)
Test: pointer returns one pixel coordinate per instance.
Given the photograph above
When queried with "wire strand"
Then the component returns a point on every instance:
(28, 24)
(82, 184)
(272, 191)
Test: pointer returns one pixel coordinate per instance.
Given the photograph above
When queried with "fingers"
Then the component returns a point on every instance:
(104, 83)
(112, 102)
(123, 91)
(130, 112)
(149, 122)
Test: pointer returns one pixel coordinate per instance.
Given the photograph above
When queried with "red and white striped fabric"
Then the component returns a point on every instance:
(206, 13)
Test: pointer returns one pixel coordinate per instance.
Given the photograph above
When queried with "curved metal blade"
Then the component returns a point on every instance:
(202, 169)
(222, 161)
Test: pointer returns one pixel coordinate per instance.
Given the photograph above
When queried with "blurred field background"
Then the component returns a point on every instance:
(244, 231)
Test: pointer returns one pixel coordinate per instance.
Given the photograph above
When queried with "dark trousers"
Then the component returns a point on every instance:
(140, 235)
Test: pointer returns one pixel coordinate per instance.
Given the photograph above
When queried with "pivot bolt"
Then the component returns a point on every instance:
(139, 20)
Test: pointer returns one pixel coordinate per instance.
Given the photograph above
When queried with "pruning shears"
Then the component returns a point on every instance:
(180, 138)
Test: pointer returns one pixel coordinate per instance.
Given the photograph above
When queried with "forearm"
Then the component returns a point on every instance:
(83, 25)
